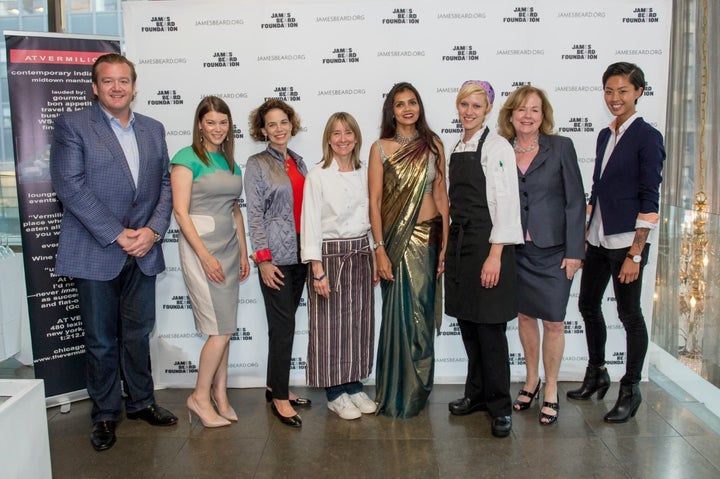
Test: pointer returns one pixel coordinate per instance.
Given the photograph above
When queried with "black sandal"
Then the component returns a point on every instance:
(520, 405)
(550, 419)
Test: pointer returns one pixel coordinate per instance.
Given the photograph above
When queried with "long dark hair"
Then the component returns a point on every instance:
(388, 126)
(227, 149)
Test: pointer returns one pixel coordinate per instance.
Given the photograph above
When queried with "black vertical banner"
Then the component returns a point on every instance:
(48, 74)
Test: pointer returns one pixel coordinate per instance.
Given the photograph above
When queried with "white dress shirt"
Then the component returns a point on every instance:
(335, 205)
(503, 198)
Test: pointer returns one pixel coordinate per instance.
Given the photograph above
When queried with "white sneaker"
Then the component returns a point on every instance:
(344, 407)
(363, 403)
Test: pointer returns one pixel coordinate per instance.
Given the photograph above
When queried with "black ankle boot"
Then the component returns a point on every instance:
(627, 404)
(596, 379)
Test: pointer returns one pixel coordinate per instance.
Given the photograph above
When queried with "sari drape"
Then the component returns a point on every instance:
(411, 304)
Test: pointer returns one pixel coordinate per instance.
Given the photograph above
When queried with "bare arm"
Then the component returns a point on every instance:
(375, 189)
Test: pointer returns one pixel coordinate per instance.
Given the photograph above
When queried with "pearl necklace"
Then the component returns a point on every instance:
(404, 140)
(520, 149)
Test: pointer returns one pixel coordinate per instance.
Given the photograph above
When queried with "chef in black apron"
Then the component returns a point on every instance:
(479, 267)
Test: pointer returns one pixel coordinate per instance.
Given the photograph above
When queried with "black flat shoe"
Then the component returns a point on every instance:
(464, 405)
(294, 421)
(302, 402)
(154, 415)
(501, 426)
(549, 419)
(103, 435)
(519, 405)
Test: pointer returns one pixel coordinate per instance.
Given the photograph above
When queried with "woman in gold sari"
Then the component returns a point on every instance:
(409, 221)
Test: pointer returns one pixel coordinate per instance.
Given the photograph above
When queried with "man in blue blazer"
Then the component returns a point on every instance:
(109, 168)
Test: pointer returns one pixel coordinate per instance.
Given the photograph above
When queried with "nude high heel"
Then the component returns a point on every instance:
(230, 415)
(207, 422)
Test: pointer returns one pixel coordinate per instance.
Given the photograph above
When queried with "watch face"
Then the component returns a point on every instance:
(637, 258)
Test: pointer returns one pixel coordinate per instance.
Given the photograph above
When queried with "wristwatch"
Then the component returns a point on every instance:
(378, 244)
(636, 258)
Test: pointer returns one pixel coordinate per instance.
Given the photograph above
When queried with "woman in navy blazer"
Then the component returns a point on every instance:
(552, 210)
(623, 209)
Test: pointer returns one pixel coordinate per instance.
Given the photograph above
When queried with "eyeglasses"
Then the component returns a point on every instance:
(485, 86)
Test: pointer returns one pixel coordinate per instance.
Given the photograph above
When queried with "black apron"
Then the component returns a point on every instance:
(469, 246)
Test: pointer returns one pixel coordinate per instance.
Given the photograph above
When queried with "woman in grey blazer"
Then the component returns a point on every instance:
(552, 210)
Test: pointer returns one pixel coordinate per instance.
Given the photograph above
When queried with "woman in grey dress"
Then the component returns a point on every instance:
(206, 185)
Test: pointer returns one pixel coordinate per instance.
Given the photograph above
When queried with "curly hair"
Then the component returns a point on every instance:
(257, 118)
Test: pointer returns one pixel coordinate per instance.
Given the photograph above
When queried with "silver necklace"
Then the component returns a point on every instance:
(404, 140)
(520, 149)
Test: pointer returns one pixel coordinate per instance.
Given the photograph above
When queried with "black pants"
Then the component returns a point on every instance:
(602, 264)
(488, 377)
(280, 309)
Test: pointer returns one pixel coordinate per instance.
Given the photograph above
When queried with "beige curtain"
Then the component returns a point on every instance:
(692, 166)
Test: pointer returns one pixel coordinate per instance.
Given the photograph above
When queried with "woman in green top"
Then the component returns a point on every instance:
(206, 186)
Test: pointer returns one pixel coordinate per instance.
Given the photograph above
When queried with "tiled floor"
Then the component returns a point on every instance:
(672, 436)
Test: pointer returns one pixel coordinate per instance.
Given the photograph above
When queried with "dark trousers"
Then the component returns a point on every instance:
(602, 264)
(488, 377)
(280, 308)
(118, 316)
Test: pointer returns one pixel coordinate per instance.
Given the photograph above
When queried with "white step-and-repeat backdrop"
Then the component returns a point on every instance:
(326, 56)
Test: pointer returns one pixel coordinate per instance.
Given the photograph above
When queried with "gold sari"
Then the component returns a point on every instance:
(412, 304)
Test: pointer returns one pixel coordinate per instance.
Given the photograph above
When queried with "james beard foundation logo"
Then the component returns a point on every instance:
(401, 16)
(181, 367)
(222, 60)
(285, 93)
(237, 133)
(173, 234)
(642, 15)
(516, 359)
(166, 97)
(241, 334)
(573, 327)
(523, 15)
(160, 24)
(454, 128)
(577, 125)
(281, 20)
(514, 86)
(452, 330)
(618, 358)
(581, 51)
(178, 302)
(342, 55)
(298, 363)
(461, 53)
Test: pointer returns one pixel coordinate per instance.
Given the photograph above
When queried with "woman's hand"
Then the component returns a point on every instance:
(441, 263)
(570, 266)
(213, 269)
(629, 271)
(384, 266)
(490, 273)
(244, 267)
(271, 275)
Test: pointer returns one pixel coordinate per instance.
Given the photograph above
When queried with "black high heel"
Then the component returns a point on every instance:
(549, 418)
(303, 402)
(596, 379)
(520, 405)
(292, 421)
(627, 404)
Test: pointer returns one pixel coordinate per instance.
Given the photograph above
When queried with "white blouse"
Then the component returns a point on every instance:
(503, 196)
(335, 205)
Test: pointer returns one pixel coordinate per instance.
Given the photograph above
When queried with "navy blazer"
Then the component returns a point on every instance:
(92, 179)
(630, 183)
(552, 198)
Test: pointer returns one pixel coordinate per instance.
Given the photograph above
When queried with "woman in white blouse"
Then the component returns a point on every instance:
(334, 240)
(479, 267)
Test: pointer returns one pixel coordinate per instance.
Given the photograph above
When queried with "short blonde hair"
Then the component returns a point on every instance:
(517, 99)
